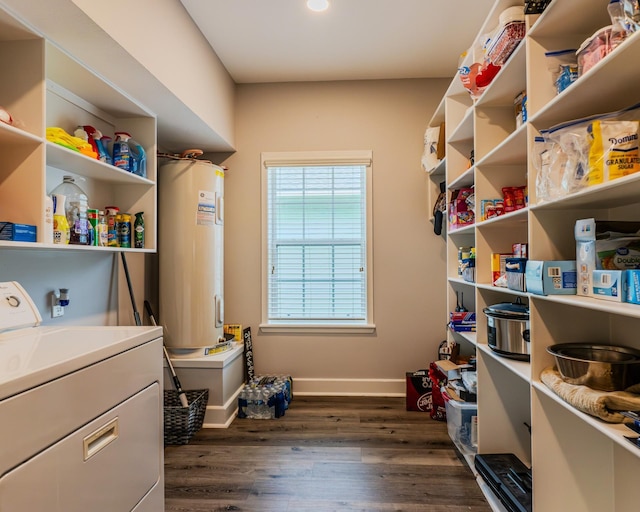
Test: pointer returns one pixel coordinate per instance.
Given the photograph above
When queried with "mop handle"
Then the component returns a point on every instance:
(136, 315)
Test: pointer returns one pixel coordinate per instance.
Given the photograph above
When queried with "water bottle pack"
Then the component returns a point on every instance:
(265, 397)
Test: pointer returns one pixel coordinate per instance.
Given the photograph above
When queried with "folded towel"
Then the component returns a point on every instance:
(601, 404)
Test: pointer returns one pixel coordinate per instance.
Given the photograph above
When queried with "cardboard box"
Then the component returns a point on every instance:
(451, 370)
(441, 142)
(604, 245)
(515, 271)
(551, 277)
(462, 321)
(498, 266)
(610, 285)
(235, 329)
(633, 286)
(418, 395)
(17, 232)
(520, 250)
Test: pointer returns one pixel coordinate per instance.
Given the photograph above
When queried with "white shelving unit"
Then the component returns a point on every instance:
(579, 462)
(44, 87)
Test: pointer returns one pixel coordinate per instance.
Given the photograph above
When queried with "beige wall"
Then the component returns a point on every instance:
(388, 117)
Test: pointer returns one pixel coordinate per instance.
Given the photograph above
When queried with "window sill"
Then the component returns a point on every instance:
(318, 329)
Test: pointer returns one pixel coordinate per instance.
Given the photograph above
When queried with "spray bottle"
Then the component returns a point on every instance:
(138, 159)
(138, 226)
(122, 151)
(95, 139)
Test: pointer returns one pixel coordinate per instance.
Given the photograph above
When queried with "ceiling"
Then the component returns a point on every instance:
(261, 41)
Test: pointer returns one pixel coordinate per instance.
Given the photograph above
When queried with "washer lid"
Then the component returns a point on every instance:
(17, 310)
(33, 356)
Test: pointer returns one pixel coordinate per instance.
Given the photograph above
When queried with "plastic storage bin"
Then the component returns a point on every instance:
(462, 420)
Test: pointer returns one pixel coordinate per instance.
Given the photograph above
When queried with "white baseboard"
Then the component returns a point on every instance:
(221, 416)
(349, 387)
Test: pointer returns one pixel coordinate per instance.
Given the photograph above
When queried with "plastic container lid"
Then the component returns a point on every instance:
(509, 310)
(603, 32)
(511, 14)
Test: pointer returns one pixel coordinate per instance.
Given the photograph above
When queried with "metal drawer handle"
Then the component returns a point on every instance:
(100, 438)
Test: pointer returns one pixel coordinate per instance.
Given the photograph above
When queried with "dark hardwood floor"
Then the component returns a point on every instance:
(326, 454)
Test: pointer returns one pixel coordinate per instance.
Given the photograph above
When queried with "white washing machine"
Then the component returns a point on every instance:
(81, 414)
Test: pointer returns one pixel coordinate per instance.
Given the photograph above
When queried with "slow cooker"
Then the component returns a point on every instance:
(508, 329)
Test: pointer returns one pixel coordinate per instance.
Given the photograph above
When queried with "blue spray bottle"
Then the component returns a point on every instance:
(122, 151)
(95, 138)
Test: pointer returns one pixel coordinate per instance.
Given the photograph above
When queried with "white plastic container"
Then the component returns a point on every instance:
(511, 30)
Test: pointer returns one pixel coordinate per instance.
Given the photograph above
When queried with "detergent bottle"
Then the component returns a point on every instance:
(138, 159)
(106, 140)
(122, 151)
(75, 206)
(60, 224)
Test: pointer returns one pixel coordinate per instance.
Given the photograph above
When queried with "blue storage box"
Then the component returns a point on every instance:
(17, 232)
(551, 277)
(633, 286)
(610, 285)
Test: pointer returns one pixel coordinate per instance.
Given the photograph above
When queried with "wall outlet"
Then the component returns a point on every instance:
(57, 311)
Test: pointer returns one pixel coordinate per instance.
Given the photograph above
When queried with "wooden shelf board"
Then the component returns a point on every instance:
(522, 369)
(619, 192)
(613, 431)
(77, 163)
(596, 92)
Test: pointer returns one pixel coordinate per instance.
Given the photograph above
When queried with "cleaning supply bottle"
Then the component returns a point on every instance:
(138, 228)
(76, 206)
(112, 225)
(122, 151)
(103, 230)
(95, 139)
(60, 224)
(106, 141)
(138, 159)
(48, 220)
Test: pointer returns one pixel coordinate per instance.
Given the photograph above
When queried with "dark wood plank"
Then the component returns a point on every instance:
(326, 454)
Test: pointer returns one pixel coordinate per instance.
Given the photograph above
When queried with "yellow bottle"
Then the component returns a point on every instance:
(61, 232)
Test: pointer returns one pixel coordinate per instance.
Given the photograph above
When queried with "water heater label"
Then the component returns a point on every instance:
(205, 216)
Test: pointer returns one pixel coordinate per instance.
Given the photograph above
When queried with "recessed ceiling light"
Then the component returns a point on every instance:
(318, 5)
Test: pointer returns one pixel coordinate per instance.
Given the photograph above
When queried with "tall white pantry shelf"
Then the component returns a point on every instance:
(44, 86)
(579, 463)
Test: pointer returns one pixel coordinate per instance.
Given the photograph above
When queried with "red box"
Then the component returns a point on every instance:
(419, 396)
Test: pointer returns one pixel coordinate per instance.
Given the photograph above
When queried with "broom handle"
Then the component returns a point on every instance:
(176, 382)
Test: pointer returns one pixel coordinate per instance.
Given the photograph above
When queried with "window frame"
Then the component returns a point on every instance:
(317, 158)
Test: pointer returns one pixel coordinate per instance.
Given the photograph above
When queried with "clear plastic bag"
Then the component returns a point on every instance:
(569, 156)
(563, 66)
(587, 152)
(631, 15)
(430, 154)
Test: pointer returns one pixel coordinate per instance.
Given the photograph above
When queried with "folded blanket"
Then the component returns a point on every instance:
(601, 404)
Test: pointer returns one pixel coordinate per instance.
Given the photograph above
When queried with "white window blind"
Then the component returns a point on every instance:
(317, 241)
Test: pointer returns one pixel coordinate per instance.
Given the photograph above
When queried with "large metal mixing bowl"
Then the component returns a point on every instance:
(602, 367)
